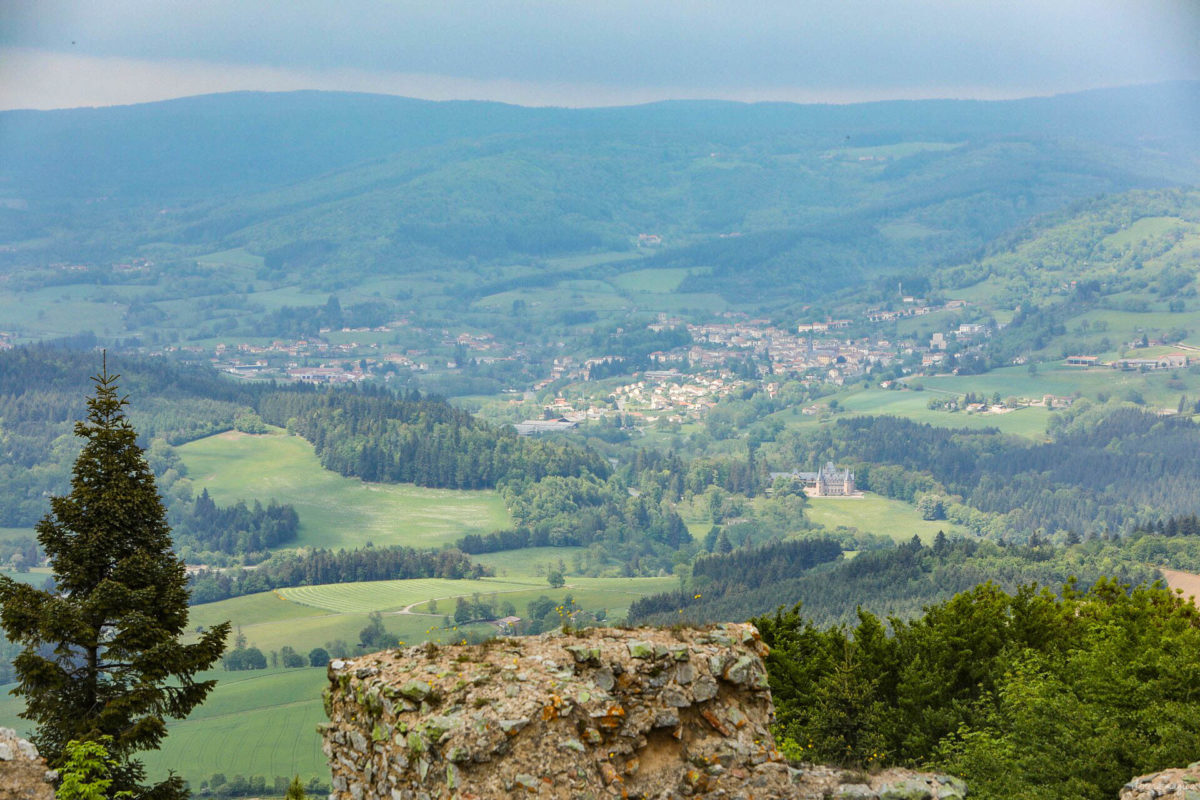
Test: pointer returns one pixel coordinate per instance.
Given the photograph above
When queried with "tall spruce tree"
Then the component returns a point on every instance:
(103, 654)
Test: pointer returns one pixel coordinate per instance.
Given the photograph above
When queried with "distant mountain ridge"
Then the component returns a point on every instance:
(775, 198)
(279, 137)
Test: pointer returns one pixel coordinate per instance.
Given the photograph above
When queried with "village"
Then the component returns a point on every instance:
(721, 359)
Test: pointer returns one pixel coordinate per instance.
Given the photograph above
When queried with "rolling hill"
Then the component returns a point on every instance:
(780, 200)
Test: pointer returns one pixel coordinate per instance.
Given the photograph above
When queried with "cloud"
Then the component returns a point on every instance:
(41, 79)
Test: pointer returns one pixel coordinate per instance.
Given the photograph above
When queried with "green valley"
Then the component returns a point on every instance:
(335, 511)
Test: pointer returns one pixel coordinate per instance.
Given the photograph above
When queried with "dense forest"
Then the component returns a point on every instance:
(312, 567)
(236, 529)
(1027, 694)
(378, 436)
(896, 582)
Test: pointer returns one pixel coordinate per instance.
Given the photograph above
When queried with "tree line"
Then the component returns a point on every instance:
(310, 568)
(407, 438)
(236, 529)
(1025, 693)
(899, 581)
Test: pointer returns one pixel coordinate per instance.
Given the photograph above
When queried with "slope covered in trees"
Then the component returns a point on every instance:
(815, 191)
(895, 582)
(409, 439)
(1025, 694)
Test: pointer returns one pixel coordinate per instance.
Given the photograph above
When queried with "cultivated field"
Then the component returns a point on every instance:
(335, 511)
(1187, 582)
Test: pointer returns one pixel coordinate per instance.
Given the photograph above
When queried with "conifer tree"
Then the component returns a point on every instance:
(103, 655)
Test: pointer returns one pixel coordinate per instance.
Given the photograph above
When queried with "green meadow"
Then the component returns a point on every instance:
(34, 577)
(385, 595)
(335, 511)
(260, 722)
(1157, 389)
(652, 280)
(529, 562)
(876, 514)
(1029, 422)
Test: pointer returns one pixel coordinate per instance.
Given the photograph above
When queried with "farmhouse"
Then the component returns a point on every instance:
(1169, 361)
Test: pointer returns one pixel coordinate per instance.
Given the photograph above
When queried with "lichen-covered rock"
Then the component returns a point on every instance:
(23, 774)
(1171, 784)
(595, 714)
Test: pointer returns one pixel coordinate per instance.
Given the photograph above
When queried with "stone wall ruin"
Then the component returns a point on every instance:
(650, 713)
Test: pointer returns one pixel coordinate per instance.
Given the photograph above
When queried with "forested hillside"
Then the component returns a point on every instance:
(1026, 694)
(896, 582)
(405, 439)
(782, 202)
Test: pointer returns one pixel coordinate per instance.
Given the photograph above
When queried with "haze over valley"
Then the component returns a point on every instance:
(411, 370)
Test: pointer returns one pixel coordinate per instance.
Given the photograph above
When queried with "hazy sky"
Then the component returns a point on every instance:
(62, 53)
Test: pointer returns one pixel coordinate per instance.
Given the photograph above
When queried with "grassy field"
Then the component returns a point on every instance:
(1027, 422)
(254, 723)
(877, 514)
(34, 577)
(386, 595)
(652, 280)
(532, 562)
(335, 511)
(1159, 389)
(1187, 583)
(264, 722)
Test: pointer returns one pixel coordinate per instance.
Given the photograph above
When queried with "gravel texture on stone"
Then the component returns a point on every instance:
(1171, 784)
(643, 713)
(23, 773)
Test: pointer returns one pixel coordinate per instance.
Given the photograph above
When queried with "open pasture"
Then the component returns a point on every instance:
(652, 280)
(1158, 388)
(269, 622)
(1187, 583)
(59, 311)
(530, 562)
(873, 513)
(259, 722)
(34, 577)
(335, 511)
(612, 594)
(1028, 422)
(368, 596)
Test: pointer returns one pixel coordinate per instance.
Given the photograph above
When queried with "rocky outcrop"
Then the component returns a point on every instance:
(1171, 784)
(601, 713)
(23, 774)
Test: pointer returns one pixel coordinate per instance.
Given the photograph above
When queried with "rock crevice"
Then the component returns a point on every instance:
(600, 713)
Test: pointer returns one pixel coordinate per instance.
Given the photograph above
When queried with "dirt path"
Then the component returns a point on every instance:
(1187, 581)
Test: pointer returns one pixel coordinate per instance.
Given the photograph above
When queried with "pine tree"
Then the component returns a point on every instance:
(102, 654)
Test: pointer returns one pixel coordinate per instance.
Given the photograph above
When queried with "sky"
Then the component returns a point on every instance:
(69, 53)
